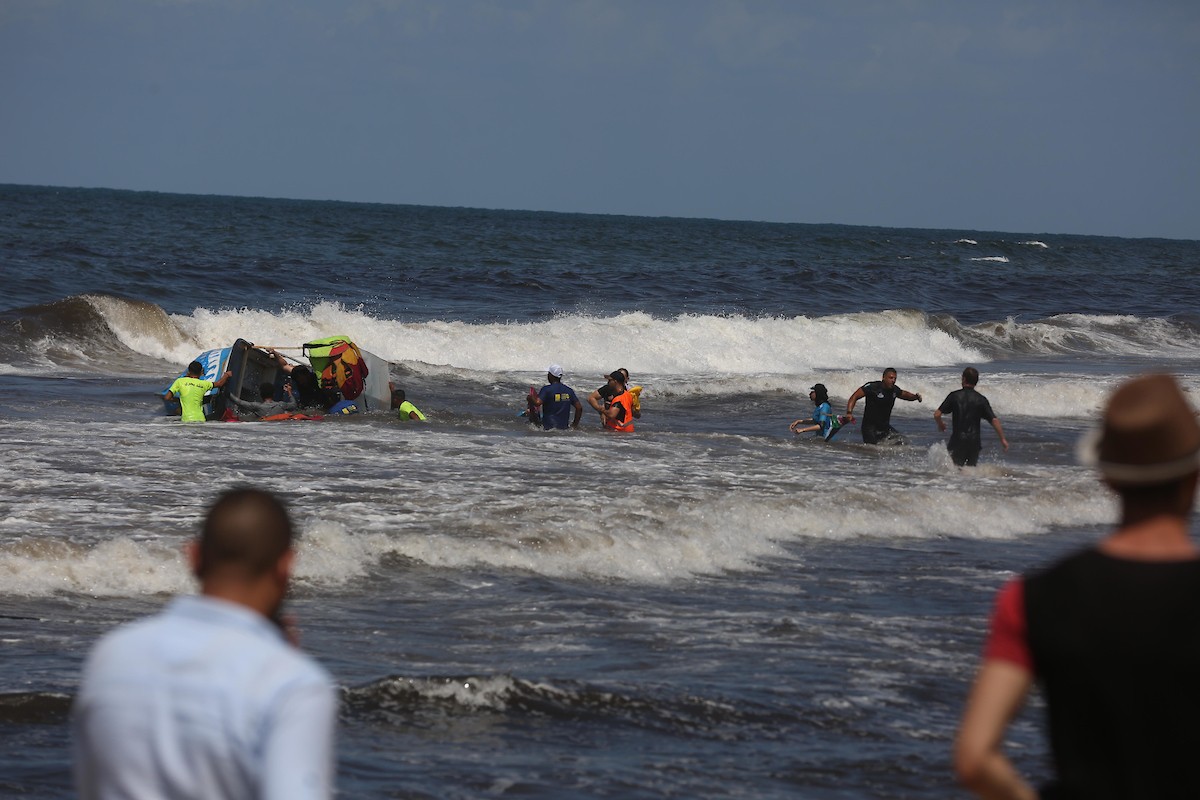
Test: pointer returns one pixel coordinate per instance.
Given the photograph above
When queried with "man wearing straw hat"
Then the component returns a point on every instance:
(1112, 634)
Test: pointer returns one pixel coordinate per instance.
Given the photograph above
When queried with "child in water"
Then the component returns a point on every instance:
(823, 419)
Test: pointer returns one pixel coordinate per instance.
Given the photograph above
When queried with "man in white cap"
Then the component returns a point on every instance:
(1112, 633)
(556, 400)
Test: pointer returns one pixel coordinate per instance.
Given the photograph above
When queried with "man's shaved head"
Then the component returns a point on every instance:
(245, 533)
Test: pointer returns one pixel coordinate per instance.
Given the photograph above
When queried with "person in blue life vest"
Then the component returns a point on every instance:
(880, 396)
(1109, 632)
(555, 400)
(967, 407)
(404, 409)
(823, 419)
(191, 388)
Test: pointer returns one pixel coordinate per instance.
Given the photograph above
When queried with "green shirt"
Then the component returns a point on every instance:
(190, 392)
(406, 408)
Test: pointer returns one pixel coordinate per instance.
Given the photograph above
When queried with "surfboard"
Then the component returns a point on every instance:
(532, 410)
(840, 421)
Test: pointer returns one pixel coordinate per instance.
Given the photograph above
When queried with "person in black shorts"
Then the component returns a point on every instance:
(880, 396)
(968, 407)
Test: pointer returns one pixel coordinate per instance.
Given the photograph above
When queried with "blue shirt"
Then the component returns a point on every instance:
(823, 416)
(557, 401)
(204, 699)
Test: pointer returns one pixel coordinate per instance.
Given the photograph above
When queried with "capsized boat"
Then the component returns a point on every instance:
(359, 377)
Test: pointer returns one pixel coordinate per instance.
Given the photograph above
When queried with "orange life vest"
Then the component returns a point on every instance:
(625, 400)
(346, 371)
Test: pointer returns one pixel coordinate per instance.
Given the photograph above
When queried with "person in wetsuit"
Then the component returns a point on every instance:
(880, 396)
(968, 407)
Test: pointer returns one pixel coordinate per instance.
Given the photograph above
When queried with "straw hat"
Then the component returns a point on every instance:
(1150, 434)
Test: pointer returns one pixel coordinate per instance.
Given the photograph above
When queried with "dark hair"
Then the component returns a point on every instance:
(398, 396)
(303, 376)
(195, 368)
(246, 532)
(891, 370)
(309, 393)
(970, 376)
(267, 390)
(822, 394)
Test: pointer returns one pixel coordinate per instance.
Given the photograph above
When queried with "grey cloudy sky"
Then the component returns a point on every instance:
(1042, 116)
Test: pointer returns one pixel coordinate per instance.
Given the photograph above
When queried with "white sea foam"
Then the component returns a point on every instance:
(666, 533)
(682, 345)
(118, 567)
(995, 259)
(1117, 335)
(705, 346)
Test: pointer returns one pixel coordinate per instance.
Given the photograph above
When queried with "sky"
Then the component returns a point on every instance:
(1031, 116)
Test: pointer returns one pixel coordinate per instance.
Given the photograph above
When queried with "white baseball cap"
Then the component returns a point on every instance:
(555, 370)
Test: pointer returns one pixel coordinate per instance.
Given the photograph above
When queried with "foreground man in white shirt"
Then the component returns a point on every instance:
(208, 698)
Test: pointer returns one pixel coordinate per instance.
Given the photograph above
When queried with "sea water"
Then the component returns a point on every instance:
(708, 607)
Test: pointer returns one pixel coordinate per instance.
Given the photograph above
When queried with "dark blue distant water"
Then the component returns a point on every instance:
(710, 607)
(419, 263)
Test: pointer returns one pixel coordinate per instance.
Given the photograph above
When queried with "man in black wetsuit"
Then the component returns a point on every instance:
(968, 407)
(880, 396)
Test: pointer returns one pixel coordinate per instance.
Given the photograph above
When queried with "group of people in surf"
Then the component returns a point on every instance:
(617, 403)
(1108, 633)
(301, 396)
(966, 406)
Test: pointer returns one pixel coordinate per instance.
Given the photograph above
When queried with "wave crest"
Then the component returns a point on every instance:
(100, 330)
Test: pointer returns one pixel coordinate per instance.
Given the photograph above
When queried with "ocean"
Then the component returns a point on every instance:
(708, 607)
